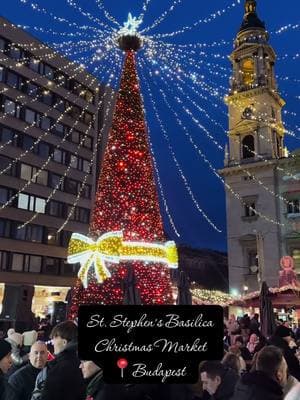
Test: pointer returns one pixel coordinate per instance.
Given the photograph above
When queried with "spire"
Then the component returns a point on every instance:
(251, 19)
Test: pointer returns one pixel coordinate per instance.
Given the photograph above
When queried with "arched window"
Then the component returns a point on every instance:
(248, 71)
(248, 147)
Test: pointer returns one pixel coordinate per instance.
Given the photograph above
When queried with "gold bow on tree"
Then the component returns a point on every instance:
(110, 247)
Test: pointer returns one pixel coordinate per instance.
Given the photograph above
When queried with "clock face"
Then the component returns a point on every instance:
(247, 113)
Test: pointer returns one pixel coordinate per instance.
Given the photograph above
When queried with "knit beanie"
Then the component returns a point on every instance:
(5, 348)
(282, 331)
(29, 337)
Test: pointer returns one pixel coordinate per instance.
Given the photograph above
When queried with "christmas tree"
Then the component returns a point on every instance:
(126, 199)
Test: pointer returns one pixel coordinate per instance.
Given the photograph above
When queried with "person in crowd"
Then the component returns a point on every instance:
(218, 380)
(16, 341)
(266, 382)
(236, 351)
(5, 364)
(245, 353)
(233, 327)
(252, 344)
(254, 324)
(23, 380)
(232, 361)
(62, 379)
(282, 338)
(93, 376)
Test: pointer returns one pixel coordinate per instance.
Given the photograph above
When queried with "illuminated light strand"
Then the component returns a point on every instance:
(144, 9)
(209, 19)
(285, 28)
(88, 15)
(163, 197)
(55, 33)
(180, 123)
(94, 155)
(165, 134)
(76, 153)
(61, 20)
(107, 14)
(162, 17)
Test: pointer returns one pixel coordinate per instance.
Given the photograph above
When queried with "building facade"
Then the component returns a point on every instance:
(258, 200)
(51, 126)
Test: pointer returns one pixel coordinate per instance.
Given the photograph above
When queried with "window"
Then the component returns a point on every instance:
(55, 181)
(47, 70)
(252, 260)
(30, 233)
(2, 44)
(248, 71)
(47, 97)
(75, 136)
(51, 266)
(15, 53)
(248, 148)
(34, 64)
(59, 156)
(74, 112)
(89, 96)
(61, 79)
(74, 161)
(88, 118)
(5, 164)
(3, 260)
(13, 80)
(65, 239)
(11, 108)
(43, 149)
(56, 209)
(5, 226)
(28, 173)
(293, 206)
(86, 166)
(45, 123)
(71, 186)
(249, 209)
(17, 262)
(80, 214)
(1, 73)
(27, 142)
(5, 194)
(32, 263)
(59, 130)
(31, 203)
(53, 237)
(31, 116)
(59, 103)
(8, 135)
(88, 142)
(32, 89)
(70, 269)
(86, 192)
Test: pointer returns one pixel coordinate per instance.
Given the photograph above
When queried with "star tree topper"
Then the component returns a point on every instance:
(130, 26)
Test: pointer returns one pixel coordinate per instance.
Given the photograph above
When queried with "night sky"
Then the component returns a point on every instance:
(211, 81)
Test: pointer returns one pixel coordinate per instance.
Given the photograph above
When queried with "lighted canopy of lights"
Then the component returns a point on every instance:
(190, 79)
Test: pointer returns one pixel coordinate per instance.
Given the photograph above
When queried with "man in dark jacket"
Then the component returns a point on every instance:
(64, 379)
(218, 380)
(267, 381)
(23, 380)
(5, 364)
(282, 338)
(93, 377)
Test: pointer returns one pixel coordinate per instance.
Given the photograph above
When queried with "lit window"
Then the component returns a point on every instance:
(248, 71)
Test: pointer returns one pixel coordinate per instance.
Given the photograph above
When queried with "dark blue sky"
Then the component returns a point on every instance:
(207, 189)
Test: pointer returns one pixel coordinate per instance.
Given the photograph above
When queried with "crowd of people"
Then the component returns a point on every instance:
(253, 368)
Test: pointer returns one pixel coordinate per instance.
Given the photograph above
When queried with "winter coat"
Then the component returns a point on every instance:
(227, 385)
(289, 355)
(6, 393)
(95, 386)
(22, 381)
(64, 378)
(294, 393)
(257, 385)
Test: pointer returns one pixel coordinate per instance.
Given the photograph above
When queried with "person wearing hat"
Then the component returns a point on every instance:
(282, 338)
(5, 364)
(92, 374)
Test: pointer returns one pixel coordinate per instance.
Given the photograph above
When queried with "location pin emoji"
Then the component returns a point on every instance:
(122, 363)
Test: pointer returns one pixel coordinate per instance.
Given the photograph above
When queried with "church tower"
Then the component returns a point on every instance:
(256, 136)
